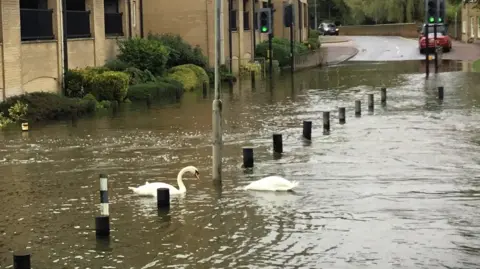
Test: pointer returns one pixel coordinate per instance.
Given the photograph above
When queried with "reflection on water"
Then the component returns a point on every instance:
(395, 189)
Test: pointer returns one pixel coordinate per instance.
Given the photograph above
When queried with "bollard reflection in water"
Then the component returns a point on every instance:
(103, 244)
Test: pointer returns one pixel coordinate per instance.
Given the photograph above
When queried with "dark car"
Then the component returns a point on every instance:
(328, 29)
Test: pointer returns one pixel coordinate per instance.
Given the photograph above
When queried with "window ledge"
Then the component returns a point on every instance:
(80, 38)
(39, 41)
(115, 37)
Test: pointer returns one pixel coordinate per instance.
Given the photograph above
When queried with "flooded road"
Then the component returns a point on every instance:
(396, 189)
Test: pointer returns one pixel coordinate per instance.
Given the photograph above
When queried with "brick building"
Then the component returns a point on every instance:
(470, 20)
(32, 33)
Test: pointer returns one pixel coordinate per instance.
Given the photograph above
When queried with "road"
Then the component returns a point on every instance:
(394, 48)
(385, 48)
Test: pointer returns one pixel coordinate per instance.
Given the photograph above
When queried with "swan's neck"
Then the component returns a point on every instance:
(181, 186)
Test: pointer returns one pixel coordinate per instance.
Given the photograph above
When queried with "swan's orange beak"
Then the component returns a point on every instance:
(197, 175)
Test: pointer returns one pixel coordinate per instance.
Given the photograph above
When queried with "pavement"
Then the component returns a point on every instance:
(387, 48)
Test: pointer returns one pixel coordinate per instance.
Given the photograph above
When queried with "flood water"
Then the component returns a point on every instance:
(396, 189)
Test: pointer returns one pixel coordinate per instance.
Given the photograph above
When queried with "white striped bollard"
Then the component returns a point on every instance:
(102, 222)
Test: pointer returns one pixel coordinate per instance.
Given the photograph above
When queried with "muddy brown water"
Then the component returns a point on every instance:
(396, 189)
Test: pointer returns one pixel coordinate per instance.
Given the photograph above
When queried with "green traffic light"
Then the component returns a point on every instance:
(431, 19)
(439, 19)
(264, 29)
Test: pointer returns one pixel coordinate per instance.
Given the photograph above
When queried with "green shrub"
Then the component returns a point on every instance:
(180, 52)
(144, 54)
(312, 43)
(79, 81)
(138, 76)
(48, 106)
(281, 50)
(199, 72)
(98, 105)
(225, 75)
(313, 34)
(174, 83)
(156, 90)
(116, 65)
(186, 76)
(110, 85)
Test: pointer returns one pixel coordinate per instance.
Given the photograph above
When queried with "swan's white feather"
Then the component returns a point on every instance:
(272, 183)
(150, 189)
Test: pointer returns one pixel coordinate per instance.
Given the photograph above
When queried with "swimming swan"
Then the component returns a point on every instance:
(150, 189)
(272, 183)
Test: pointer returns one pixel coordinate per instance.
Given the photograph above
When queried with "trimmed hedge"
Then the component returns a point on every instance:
(156, 90)
(49, 106)
(191, 76)
(102, 83)
(110, 85)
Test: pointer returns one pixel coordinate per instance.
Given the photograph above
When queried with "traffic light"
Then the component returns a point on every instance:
(288, 17)
(431, 11)
(265, 20)
(441, 11)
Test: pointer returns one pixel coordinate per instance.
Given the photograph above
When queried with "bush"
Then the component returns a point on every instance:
(79, 82)
(48, 106)
(225, 75)
(138, 76)
(313, 34)
(180, 52)
(312, 43)
(199, 72)
(110, 85)
(144, 54)
(281, 50)
(116, 65)
(156, 90)
(187, 75)
(171, 81)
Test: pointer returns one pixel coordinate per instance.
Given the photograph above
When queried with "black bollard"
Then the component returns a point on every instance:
(21, 260)
(277, 143)
(326, 121)
(205, 89)
(440, 92)
(370, 102)
(252, 74)
(247, 157)
(307, 130)
(163, 197)
(102, 226)
(358, 108)
(341, 115)
(383, 96)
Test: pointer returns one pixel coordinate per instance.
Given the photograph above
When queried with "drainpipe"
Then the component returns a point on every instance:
(65, 44)
(230, 33)
(141, 18)
(254, 31)
(129, 3)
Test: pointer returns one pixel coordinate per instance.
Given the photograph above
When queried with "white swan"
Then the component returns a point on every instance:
(150, 189)
(272, 183)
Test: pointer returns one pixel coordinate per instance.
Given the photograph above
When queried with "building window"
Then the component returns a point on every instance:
(472, 26)
(246, 20)
(478, 27)
(113, 18)
(78, 19)
(36, 20)
(233, 20)
(464, 27)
